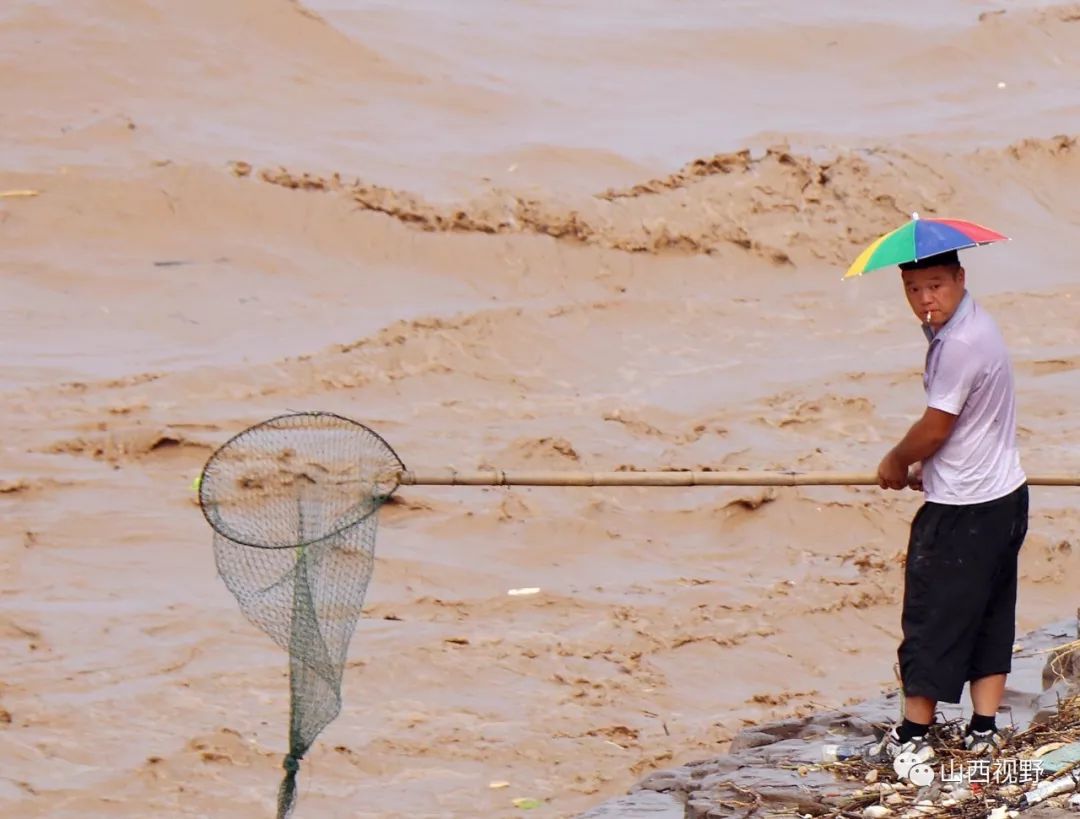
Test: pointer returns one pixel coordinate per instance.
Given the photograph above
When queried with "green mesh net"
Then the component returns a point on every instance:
(293, 505)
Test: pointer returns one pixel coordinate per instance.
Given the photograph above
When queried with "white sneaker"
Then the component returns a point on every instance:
(984, 742)
(889, 747)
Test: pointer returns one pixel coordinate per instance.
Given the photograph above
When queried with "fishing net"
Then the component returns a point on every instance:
(293, 504)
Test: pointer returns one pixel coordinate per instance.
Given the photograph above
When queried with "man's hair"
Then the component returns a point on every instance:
(950, 258)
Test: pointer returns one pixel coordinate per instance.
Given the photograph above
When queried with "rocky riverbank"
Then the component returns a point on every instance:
(776, 769)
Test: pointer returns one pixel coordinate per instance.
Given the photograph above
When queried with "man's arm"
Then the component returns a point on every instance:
(925, 437)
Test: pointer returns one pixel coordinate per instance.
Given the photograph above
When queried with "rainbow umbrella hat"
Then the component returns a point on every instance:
(919, 239)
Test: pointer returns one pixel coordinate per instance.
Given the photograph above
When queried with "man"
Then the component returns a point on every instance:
(959, 606)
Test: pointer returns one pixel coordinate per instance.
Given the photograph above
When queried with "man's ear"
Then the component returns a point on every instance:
(959, 275)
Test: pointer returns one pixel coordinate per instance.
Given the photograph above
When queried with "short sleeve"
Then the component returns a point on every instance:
(953, 377)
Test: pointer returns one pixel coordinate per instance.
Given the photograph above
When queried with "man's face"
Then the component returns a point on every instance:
(934, 293)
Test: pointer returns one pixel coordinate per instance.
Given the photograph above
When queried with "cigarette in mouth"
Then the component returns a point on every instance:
(927, 316)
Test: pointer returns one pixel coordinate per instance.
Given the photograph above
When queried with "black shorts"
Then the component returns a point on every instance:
(959, 618)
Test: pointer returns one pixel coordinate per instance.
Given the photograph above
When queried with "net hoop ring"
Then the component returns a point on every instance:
(208, 482)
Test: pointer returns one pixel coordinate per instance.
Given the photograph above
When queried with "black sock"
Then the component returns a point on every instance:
(909, 730)
(982, 724)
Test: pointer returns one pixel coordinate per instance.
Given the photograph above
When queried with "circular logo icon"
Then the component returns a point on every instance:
(904, 763)
(921, 775)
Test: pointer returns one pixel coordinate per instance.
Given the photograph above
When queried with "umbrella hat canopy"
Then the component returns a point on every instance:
(920, 239)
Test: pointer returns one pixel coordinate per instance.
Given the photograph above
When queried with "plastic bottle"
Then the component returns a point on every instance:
(839, 753)
(1052, 787)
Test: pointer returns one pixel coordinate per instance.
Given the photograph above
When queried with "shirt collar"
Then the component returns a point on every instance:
(967, 304)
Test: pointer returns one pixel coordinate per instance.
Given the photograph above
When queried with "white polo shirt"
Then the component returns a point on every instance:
(968, 374)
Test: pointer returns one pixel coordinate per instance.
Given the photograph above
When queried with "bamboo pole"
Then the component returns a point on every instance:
(499, 477)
